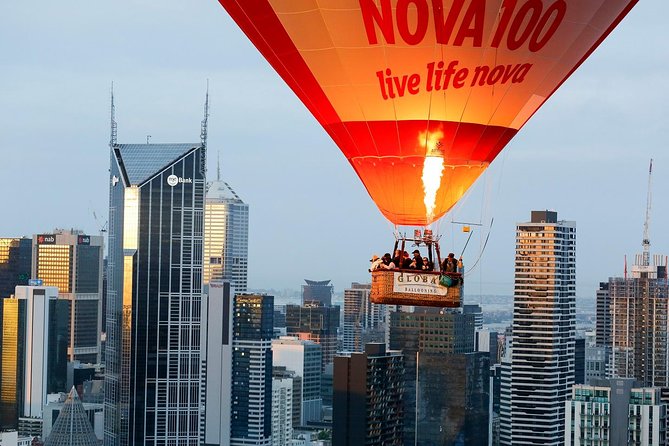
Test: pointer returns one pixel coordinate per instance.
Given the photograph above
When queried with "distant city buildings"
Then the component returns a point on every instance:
(153, 362)
(72, 262)
(317, 291)
(251, 405)
(282, 411)
(33, 355)
(226, 236)
(537, 376)
(367, 401)
(15, 260)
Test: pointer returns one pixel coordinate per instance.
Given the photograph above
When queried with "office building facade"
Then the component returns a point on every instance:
(226, 236)
(303, 358)
(315, 322)
(153, 362)
(282, 411)
(15, 261)
(33, 353)
(216, 347)
(364, 321)
(433, 343)
(72, 262)
(537, 379)
(251, 402)
(367, 400)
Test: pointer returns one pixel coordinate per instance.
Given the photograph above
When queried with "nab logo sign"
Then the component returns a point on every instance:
(46, 239)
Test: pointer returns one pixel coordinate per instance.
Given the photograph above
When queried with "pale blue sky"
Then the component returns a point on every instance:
(584, 154)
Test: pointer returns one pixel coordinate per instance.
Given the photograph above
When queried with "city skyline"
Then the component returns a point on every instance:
(56, 93)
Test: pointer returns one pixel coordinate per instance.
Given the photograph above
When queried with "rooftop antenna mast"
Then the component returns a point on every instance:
(113, 130)
(203, 129)
(218, 166)
(646, 236)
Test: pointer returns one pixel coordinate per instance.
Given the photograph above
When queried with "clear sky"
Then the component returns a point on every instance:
(585, 154)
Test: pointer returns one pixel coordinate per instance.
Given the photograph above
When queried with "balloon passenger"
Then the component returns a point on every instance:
(417, 261)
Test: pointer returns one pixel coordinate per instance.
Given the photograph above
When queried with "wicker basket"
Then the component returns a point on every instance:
(383, 292)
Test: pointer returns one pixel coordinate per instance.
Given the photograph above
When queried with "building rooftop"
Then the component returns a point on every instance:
(142, 161)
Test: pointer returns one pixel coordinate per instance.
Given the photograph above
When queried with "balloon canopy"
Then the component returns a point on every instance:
(422, 95)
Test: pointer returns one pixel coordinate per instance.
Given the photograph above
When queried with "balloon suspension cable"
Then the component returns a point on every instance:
(485, 244)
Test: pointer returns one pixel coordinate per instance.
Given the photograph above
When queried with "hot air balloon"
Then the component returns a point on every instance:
(422, 95)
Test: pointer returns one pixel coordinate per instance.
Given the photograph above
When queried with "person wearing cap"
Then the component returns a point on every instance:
(450, 265)
(376, 263)
(417, 261)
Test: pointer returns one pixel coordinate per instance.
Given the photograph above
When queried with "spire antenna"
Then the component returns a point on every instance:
(218, 165)
(646, 224)
(203, 129)
(113, 125)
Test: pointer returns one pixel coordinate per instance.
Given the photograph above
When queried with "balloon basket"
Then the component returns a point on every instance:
(416, 288)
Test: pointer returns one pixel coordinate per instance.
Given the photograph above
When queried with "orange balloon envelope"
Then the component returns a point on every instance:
(422, 95)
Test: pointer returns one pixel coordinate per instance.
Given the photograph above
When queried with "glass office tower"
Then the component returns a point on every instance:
(152, 387)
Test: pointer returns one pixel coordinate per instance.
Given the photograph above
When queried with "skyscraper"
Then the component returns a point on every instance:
(226, 236)
(364, 321)
(251, 408)
(15, 257)
(72, 261)
(434, 345)
(33, 354)
(282, 411)
(153, 363)
(316, 322)
(317, 291)
(217, 353)
(303, 358)
(538, 378)
(367, 400)
(639, 311)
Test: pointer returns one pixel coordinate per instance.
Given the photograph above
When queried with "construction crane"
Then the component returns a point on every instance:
(646, 237)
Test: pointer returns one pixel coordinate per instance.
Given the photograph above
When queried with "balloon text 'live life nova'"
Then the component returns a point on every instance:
(422, 95)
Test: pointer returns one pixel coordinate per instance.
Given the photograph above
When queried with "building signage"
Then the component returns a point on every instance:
(46, 239)
(173, 180)
(84, 240)
(35, 282)
(418, 283)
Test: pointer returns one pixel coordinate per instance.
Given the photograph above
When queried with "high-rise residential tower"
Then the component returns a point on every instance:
(33, 354)
(251, 406)
(226, 236)
(15, 259)
(538, 378)
(153, 362)
(72, 262)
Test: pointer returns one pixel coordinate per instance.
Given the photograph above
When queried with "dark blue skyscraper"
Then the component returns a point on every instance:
(152, 388)
(15, 256)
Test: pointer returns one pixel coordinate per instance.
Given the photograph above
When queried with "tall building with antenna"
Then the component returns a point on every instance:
(638, 309)
(226, 235)
(153, 356)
